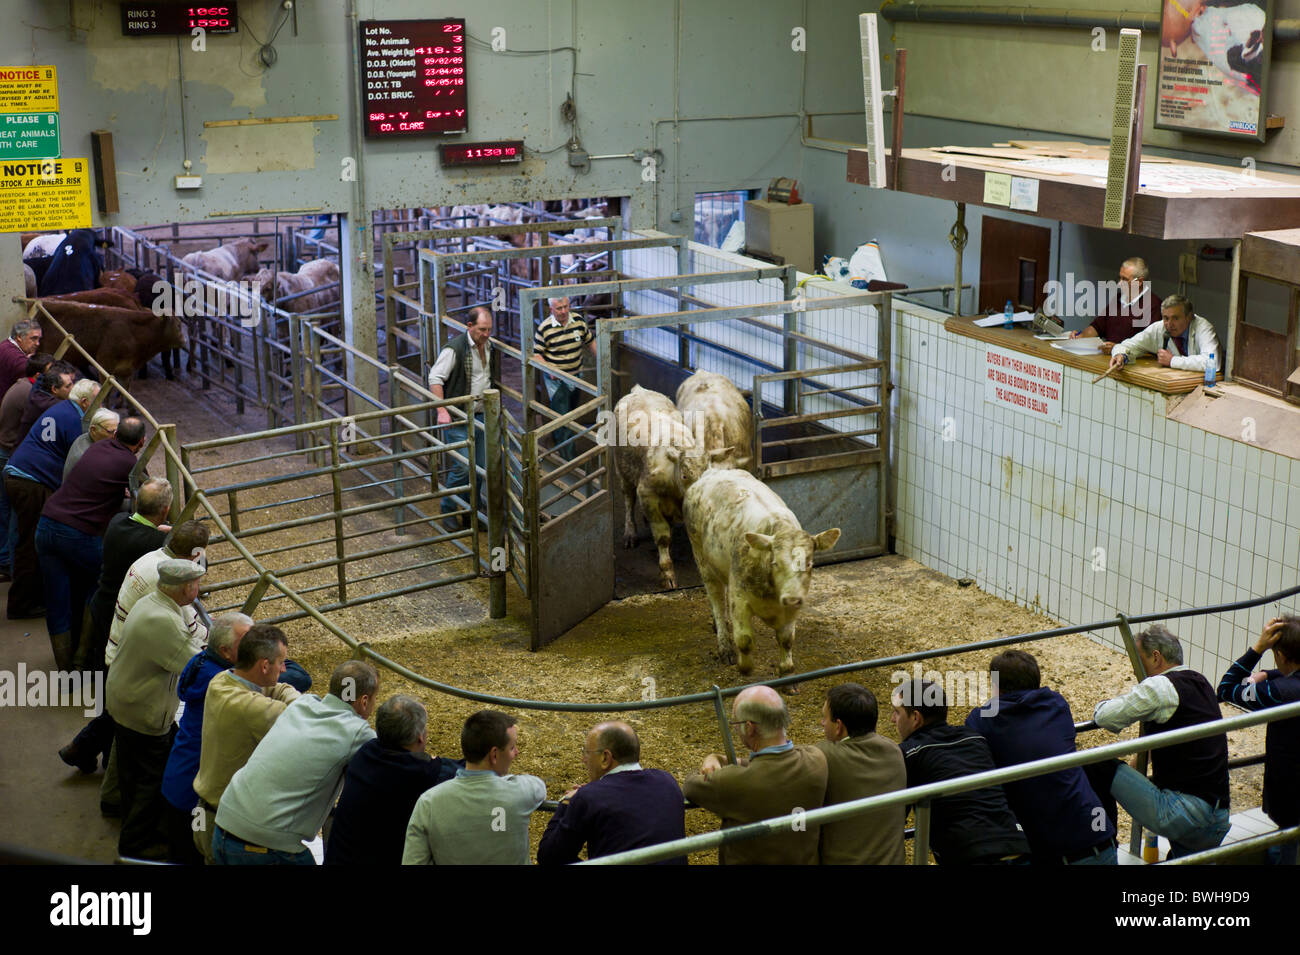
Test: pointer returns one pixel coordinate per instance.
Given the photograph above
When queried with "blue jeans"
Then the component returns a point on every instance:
(562, 396)
(70, 564)
(459, 473)
(1189, 823)
(1109, 857)
(231, 850)
(6, 547)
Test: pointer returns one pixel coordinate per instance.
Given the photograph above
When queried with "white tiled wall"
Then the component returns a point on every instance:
(1180, 517)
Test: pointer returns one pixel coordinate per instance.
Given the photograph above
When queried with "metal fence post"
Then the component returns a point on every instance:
(337, 487)
(173, 468)
(256, 594)
(921, 842)
(496, 502)
(721, 712)
(1139, 671)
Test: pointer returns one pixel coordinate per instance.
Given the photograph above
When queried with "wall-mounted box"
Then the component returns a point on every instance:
(783, 230)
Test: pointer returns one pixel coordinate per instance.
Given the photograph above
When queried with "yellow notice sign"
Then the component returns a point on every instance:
(41, 195)
(28, 89)
(997, 189)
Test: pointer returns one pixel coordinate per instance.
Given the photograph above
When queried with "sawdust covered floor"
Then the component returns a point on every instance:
(662, 644)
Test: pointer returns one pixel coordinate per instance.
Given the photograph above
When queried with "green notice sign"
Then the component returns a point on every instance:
(29, 136)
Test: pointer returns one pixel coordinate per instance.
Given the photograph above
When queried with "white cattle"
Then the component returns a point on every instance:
(719, 417)
(43, 245)
(754, 558)
(29, 281)
(312, 275)
(648, 447)
(230, 262)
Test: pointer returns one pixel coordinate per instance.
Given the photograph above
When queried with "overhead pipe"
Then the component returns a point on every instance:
(1283, 30)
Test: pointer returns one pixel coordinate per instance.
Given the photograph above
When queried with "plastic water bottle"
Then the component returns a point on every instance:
(1211, 366)
(1008, 316)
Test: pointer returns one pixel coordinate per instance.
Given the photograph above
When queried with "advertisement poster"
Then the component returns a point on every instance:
(1214, 57)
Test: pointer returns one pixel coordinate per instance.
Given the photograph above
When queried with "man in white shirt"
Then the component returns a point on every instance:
(481, 816)
(467, 365)
(1183, 340)
(1186, 798)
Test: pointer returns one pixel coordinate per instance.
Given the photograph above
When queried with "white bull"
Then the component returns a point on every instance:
(719, 417)
(754, 558)
(648, 451)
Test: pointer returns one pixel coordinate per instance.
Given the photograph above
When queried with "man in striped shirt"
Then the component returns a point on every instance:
(559, 344)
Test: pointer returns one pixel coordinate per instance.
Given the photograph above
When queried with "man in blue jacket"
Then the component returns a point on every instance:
(1064, 821)
(1260, 690)
(622, 807)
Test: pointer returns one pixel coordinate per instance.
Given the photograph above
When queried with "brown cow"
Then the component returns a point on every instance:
(119, 279)
(120, 339)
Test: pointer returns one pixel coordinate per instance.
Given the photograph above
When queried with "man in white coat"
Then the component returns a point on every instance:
(1183, 340)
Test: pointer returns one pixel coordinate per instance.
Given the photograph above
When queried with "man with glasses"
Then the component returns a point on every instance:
(1123, 315)
(621, 807)
(103, 424)
(778, 778)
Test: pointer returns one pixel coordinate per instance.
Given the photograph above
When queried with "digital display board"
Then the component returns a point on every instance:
(177, 19)
(481, 154)
(414, 76)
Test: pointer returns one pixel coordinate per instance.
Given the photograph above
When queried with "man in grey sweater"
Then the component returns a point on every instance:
(281, 796)
(481, 816)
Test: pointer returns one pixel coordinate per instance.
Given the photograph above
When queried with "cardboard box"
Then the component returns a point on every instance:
(783, 230)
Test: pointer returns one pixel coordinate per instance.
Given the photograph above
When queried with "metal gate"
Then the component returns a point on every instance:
(570, 511)
(830, 475)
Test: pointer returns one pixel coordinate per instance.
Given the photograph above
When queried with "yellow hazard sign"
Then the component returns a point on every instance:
(28, 89)
(42, 195)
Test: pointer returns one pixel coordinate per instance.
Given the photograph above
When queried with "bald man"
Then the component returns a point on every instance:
(621, 807)
(777, 779)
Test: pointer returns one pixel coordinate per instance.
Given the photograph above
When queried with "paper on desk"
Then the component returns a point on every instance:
(998, 318)
(1053, 338)
(997, 189)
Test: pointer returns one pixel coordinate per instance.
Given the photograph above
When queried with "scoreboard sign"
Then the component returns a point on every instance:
(177, 19)
(414, 77)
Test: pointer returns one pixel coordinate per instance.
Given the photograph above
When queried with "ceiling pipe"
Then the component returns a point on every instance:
(1283, 30)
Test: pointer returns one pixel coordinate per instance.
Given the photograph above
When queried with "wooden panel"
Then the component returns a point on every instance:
(1079, 199)
(1005, 246)
(1274, 255)
(1145, 372)
(1261, 358)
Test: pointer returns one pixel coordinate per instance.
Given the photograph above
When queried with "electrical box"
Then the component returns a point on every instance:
(189, 182)
(781, 230)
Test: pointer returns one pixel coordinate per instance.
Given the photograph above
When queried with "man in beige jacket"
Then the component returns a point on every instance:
(860, 763)
(778, 778)
(141, 698)
(239, 708)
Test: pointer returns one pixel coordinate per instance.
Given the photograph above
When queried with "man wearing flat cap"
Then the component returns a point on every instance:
(141, 698)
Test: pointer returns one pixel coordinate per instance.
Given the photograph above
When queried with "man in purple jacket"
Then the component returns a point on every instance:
(622, 807)
(70, 532)
(21, 344)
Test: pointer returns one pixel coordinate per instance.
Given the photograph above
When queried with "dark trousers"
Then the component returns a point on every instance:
(70, 563)
(26, 498)
(459, 473)
(6, 553)
(97, 735)
(141, 760)
(180, 836)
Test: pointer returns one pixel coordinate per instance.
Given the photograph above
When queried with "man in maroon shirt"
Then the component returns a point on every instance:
(1123, 316)
(69, 535)
(11, 415)
(22, 343)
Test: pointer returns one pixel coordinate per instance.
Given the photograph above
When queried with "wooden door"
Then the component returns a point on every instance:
(1015, 262)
